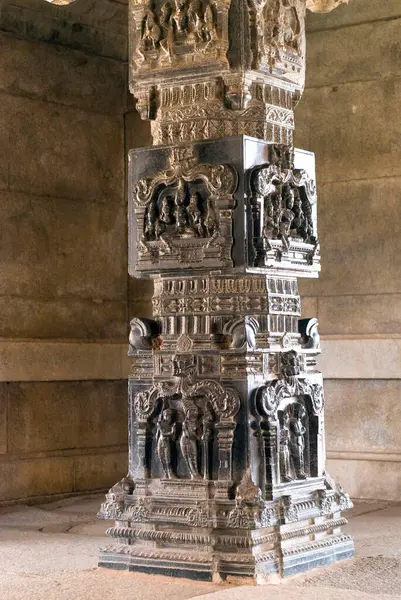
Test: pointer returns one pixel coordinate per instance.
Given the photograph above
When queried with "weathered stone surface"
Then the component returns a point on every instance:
(360, 416)
(41, 248)
(35, 477)
(361, 357)
(96, 26)
(61, 75)
(52, 247)
(99, 471)
(372, 52)
(364, 314)
(364, 142)
(308, 306)
(357, 11)
(82, 415)
(63, 152)
(62, 318)
(360, 232)
(368, 479)
(140, 297)
(76, 360)
(137, 131)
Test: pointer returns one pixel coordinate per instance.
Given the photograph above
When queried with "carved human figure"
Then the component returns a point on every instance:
(297, 440)
(166, 210)
(306, 229)
(210, 220)
(290, 365)
(195, 21)
(167, 29)
(209, 32)
(194, 214)
(299, 218)
(270, 225)
(151, 32)
(207, 432)
(189, 441)
(181, 216)
(165, 437)
(287, 216)
(290, 27)
(285, 468)
(150, 223)
(179, 19)
(257, 27)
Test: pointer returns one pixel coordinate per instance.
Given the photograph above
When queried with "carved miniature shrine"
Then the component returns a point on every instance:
(226, 433)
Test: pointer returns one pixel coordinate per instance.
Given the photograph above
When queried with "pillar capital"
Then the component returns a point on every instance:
(206, 69)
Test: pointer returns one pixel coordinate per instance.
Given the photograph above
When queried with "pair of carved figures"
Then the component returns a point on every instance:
(275, 27)
(194, 440)
(293, 432)
(180, 212)
(181, 22)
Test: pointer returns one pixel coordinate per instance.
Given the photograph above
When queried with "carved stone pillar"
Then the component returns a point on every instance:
(227, 460)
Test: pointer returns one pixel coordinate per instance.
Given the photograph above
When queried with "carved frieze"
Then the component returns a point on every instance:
(178, 33)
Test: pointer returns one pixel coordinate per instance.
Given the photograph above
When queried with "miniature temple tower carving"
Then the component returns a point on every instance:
(226, 429)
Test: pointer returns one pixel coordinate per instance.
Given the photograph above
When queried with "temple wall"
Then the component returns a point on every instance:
(65, 299)
(353, 77)
(63, 259)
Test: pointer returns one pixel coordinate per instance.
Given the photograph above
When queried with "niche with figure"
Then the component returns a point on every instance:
(297, 440)
(293, 433)
(184, 439)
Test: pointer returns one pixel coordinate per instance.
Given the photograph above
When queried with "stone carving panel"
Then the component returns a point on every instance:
(178, 33)
(181, 420)
(184, 215)
(281, 213)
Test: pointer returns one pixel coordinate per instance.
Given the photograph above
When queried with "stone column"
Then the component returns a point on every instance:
(227, 461)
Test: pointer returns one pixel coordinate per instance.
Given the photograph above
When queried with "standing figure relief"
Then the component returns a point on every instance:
(189, 441)
(166, 430)
(293, 432)
(189, 436)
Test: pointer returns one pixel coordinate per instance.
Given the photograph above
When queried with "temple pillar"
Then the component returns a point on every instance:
(226, 433)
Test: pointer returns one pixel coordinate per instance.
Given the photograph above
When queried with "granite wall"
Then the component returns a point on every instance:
(63, 259)
(65, 300)
(350, 116)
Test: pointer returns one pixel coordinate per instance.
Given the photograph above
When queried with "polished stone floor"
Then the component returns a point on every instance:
(49, 552)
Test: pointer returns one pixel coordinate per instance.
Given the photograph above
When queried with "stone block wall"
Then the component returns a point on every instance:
(350, 116)
(63, 248)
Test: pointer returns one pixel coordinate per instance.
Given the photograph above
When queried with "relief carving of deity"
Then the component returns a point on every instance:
(165, 437)
(189, 441)
(194, 441)
(180, 212)
(177, 24)
(292, 450)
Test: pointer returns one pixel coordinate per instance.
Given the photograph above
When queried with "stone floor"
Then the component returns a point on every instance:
(50, 552)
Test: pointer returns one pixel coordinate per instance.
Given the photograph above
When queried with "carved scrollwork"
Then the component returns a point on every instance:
(225, 401)
(270, 395)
